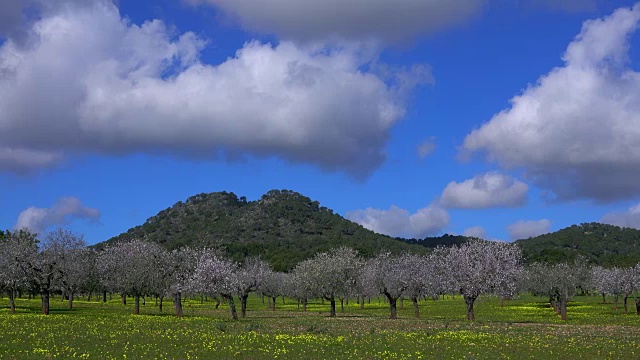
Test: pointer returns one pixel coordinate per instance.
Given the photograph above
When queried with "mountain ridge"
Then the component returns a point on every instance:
(285, 227)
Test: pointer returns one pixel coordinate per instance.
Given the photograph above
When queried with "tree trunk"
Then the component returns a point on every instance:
(563, 309)
(268, 302)
(637, 305)
(283, 300)
(160, 304)
(402, 303)
(362, 303)
(104, 296)
(342, 305)
(70, 304)
(12, 300)
(273, 302)
(333, 307)
(604, 299)
(298, 307)
(393, 306)
(626, 306)
(124, 299)
(177, 301)
(470, 300)
(136, 309)
(501, 301)
(89, 296)
(232, 306)
(416, 307)
(217, 302)
(304, 304)
(243, 305)
(45, 303)
(615, 302)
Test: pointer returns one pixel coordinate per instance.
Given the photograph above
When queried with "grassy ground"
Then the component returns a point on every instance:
(523, 329)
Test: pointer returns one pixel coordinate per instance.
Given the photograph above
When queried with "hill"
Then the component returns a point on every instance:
(283, 227)
(602, 244)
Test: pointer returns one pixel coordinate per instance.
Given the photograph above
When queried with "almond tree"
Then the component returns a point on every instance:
(215, 275)
(559, 281)
(331, 274)
(46, 268)
(479, 267)
(76, 271)
(635, 278)
(610, 282)
(131, 268)
(16, 250)
(273, 285)
(390, 276)
(181, 265)
(251, 276)
(424, 279)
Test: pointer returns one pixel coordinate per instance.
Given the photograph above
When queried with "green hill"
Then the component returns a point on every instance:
(605, 245)
(283, 227)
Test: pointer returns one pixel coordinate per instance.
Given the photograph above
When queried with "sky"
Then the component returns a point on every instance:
(501, 119)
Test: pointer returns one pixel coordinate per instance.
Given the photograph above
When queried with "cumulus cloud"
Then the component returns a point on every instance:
(576, 131)
(530, 228)
(489, 190)
(399, 222)
(62, 212)
(476, 231)
(427, 148)
(629, 218)
(89, 81)
(389, 21)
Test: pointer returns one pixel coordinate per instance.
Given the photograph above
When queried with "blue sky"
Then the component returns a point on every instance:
(500, 119)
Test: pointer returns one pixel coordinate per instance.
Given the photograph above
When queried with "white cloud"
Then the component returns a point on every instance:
(399, 222)
(485, 191)
(629, 218)
(389, 21)
(476, 231)
(62, 212)
(88, 81)
(427, 148)
(577, 130)
(526, 229)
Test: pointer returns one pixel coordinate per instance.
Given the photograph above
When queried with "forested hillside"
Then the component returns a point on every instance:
(283, 227)
(602, 244)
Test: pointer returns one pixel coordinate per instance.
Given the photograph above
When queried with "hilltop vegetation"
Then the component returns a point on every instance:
(602, 244)
(283, 226)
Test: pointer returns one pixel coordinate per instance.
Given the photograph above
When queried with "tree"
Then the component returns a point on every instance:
(251, 276)
(16, 251)
(424, 279)
(131, 268)
(214, 275)
(479, 267)
(390, 276)
(181, 265)
(331, 274)
(76, 271)
(559, 281)
(273, 285)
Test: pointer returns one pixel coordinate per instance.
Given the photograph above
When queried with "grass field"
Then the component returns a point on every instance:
(526, 328)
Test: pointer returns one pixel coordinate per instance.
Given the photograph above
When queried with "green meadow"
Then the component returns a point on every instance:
(526, 328)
